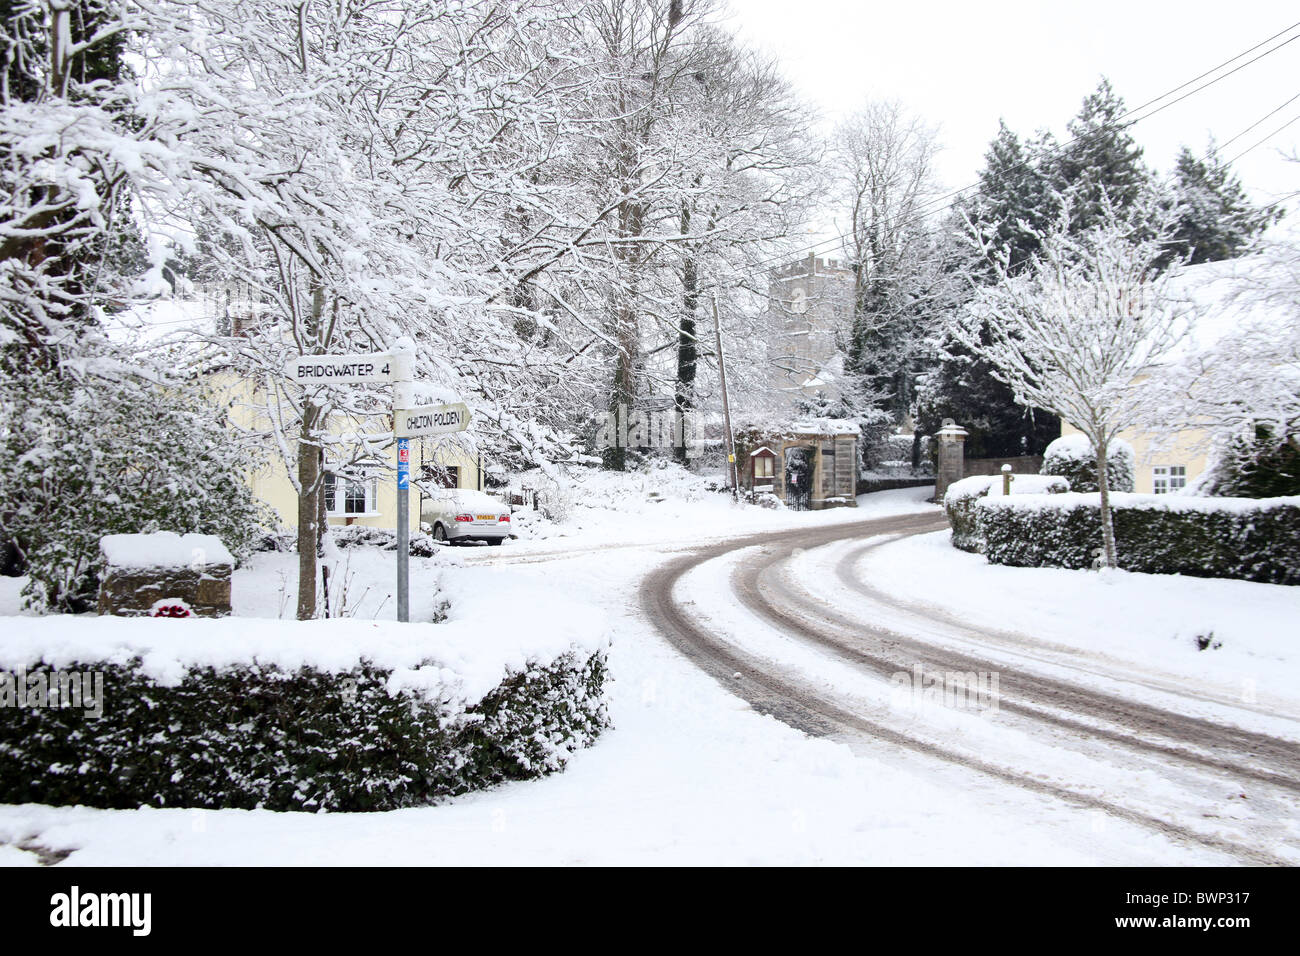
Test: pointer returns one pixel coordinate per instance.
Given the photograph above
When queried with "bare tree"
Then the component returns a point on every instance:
(1248, 381)
(1081, 330)
(885, 160)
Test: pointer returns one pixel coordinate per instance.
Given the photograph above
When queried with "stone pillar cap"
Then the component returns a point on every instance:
(951, 429)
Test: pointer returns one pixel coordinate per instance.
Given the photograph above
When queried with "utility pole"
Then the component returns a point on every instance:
(726, 405)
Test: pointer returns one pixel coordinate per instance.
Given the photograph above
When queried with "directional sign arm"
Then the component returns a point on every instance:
(431, 420)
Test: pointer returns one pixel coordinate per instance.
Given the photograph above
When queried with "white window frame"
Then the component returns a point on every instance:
(1166, 479)
(337, 508)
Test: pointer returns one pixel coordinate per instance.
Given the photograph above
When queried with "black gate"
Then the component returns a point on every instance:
(797, 499)
(798, 478)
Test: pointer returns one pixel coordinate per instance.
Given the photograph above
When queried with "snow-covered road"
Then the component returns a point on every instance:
(810, 640)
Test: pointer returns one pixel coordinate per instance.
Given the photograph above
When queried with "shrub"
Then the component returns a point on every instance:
(126, 456)
(1258, 468)
(1072, 457)
(960, 499)
(254, 736)
(1254, 540)
(419, 544)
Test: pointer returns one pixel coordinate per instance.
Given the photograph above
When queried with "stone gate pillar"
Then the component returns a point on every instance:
(952, 456)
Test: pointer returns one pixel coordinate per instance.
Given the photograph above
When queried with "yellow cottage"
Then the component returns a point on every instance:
(449, 461)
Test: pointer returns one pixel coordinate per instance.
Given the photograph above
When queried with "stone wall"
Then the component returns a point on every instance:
(137, 579)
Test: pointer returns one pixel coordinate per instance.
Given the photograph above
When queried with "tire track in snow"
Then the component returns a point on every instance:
(773, 690)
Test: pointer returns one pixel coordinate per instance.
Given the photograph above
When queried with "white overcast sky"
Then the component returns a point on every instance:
(962, 65)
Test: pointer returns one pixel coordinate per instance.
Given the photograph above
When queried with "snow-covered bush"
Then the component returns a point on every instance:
(1258, 468)
(420, 544)
(1251, 539)
(1072, 457)
(555, 500)
(338, 715)
(960, 499)
(96, 454)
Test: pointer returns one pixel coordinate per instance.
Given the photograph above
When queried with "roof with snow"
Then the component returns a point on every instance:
(1226, 298)
(823, 426)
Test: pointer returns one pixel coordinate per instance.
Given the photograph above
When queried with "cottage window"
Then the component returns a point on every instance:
(345, 496)
(1168, 478)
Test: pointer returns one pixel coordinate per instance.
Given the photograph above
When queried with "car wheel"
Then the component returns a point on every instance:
(439, 533)
(495, 541)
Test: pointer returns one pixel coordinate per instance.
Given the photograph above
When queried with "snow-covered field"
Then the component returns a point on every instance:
(689, 773)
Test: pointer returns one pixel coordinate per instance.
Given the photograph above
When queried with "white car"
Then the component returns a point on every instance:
(460, 514)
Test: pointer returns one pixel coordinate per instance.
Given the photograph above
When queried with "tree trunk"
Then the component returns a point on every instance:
(311, 480)
(687, 349)
(1108, 554)
(309, 505)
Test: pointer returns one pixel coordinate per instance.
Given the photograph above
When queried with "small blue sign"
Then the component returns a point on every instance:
(403, 463)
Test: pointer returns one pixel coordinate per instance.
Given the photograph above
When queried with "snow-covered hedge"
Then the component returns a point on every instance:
(960, 499)
(1251, 539)
(1072, 457)
(328, 715)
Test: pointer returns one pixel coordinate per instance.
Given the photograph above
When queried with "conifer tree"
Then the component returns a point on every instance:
(1215, 218)
(1101, 168)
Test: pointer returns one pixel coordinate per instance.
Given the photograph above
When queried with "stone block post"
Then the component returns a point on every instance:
(164, 575)
(952, 456)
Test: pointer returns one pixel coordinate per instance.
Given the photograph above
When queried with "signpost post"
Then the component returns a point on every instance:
(403, 529)
(403, 395)
(409, 421)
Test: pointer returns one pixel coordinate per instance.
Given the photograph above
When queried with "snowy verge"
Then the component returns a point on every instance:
(1236, 636)
(671, 504)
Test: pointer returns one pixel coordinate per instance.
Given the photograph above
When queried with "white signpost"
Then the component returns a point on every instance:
(409, 421)
(431, 420)
(339, 369)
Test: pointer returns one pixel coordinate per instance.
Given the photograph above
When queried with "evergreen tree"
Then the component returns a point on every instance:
(1216, 220)
(1262, 467)
(1102, 164)
(1014, 198)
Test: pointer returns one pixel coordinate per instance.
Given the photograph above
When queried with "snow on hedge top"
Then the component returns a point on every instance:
(500, 623)
(978, 485)
(1129, 500)
(163, 549)
(1077, 447)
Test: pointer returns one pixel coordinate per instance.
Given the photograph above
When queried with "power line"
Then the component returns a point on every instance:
(1265, 139)
(1224, 146)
